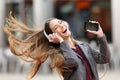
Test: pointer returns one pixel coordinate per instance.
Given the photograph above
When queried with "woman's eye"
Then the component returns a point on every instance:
(56, 27)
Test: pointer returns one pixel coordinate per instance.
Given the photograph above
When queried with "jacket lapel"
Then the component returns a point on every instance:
(84, 49)
(88, 57)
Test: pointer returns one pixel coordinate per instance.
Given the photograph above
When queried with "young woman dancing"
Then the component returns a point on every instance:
(73, 59)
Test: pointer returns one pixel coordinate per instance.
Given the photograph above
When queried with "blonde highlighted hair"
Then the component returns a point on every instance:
(34, 48)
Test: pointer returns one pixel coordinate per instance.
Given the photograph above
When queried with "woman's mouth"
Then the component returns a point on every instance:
(64, 30)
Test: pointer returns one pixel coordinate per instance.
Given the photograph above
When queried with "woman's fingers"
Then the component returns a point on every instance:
(55, 38)
(93, 32)
(93, 21)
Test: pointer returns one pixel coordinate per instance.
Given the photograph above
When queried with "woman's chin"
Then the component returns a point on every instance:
(67, 34)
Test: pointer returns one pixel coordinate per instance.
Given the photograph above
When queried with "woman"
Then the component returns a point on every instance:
(74, 60)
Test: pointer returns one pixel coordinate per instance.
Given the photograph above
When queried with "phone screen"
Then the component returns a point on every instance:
(91, 26)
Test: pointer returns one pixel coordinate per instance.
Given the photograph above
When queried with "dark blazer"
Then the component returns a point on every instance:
(73, 61)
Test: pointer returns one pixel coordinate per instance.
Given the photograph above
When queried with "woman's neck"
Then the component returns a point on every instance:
(71, 43)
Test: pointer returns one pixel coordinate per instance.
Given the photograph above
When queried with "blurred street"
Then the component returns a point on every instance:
(110, 75)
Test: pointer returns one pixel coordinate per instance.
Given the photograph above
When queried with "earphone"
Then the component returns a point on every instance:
(46, 35)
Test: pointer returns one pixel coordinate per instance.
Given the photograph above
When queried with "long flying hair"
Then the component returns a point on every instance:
(35, 48)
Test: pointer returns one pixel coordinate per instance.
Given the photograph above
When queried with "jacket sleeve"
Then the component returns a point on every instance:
(103, 55)
(69, 56)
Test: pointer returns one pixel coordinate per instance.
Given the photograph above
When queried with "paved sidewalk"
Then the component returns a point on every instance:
(110, 75)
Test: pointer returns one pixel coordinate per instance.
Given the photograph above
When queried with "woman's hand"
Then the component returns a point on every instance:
(99, 33)
(55, 38)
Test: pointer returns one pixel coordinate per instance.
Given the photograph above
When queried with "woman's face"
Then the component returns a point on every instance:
(60, 27)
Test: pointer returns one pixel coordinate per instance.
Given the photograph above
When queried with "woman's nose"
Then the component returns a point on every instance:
(61, 26)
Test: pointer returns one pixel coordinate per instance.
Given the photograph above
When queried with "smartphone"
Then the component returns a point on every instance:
(91, 26)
